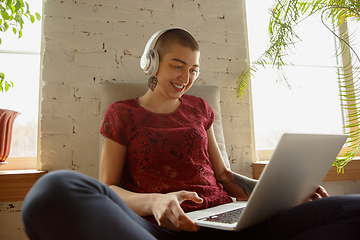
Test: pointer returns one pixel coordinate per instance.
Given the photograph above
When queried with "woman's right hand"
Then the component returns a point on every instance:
(168, 213)
(165, 207)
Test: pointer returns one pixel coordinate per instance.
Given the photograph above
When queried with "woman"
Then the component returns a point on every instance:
(163, 147)
(167, 116)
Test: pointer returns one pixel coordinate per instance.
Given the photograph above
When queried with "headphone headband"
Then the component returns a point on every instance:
(149, 61)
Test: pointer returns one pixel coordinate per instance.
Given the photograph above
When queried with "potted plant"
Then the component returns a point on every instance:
(7, 118)
(285, 16)
(12, 14)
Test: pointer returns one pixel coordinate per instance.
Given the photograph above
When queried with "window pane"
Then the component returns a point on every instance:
(23, 70)
(30, 41)
(316, 47)
(312, 104)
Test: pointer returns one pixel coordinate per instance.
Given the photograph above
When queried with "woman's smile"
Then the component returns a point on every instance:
(180, 87)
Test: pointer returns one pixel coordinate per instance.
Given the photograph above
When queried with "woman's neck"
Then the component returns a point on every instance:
(158, 104)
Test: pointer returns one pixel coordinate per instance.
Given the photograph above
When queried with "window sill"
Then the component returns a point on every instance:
(352, 171)
(15, 184)
(19, 163)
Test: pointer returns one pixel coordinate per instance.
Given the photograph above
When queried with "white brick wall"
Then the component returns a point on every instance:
(87, 42)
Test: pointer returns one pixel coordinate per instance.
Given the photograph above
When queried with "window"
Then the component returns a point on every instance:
(312, 104)
(20, 62)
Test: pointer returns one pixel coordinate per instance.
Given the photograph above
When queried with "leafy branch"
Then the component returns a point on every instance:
(12, 14)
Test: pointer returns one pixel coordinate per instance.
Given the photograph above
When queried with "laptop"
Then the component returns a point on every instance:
(296, 168)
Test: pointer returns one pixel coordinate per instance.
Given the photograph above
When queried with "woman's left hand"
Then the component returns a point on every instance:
(319, 193)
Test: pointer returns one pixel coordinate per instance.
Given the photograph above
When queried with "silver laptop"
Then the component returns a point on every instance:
(297, 167)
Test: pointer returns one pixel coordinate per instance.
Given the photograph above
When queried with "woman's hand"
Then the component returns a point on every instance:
(168, 213)
(319, 193)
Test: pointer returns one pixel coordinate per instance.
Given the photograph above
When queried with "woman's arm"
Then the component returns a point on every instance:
(111, 168)
(235, 185)
(165, 207)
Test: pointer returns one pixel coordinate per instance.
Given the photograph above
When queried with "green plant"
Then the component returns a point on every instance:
(285, 16)
(12, 13)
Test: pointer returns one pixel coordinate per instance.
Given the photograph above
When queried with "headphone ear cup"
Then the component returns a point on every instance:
(153, 63)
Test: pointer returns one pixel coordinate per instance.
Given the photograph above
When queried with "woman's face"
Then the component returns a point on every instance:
(177, 72)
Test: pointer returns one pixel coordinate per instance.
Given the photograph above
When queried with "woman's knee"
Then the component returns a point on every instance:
(57, 182)
(48, 191)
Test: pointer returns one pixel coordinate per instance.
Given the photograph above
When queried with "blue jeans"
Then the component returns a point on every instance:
(69, 205)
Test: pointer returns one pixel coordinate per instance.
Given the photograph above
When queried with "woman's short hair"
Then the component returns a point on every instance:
(167, 40)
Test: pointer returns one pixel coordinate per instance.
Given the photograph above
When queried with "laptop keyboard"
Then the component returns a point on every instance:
(229, 217)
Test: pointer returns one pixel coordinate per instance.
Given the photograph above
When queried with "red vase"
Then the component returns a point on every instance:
(7, 118)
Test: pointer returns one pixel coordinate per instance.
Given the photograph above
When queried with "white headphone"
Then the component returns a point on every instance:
(149, 61)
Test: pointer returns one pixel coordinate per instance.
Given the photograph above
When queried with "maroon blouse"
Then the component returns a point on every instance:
(166, 152)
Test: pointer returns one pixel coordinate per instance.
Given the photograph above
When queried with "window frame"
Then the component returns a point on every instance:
(265, 155)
